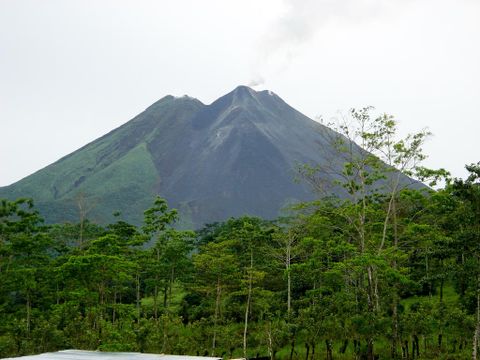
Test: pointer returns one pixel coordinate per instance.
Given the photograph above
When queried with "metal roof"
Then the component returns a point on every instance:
(100, 355)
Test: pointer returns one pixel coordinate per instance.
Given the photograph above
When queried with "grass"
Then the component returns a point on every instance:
(450, 297)
(174, 304)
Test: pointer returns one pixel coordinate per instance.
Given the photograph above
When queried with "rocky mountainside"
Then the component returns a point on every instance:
(233, 157)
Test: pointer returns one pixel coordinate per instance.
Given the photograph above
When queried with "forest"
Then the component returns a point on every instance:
(387, 270)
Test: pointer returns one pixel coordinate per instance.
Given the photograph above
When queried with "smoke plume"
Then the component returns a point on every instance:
(302, 21)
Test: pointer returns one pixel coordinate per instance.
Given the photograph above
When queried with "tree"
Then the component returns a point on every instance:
(468, 192)
(156, 220)
(215, 266)
(284, 248)
(372, 178)
(24, 247)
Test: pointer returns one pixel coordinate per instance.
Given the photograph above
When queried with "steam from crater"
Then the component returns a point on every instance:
(301, 24)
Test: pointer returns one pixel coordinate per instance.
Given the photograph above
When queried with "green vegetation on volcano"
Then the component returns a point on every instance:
(237, 156)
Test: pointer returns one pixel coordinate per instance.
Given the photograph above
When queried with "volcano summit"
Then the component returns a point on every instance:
(233, 157)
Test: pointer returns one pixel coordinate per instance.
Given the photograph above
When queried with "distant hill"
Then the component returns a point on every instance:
(233, 157)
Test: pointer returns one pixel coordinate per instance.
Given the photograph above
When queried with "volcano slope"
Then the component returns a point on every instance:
(236, 156)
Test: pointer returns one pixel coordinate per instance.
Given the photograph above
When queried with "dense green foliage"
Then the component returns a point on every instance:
(385, 273)
(286, 289)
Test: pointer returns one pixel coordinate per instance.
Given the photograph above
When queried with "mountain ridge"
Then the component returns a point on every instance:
(233, 157)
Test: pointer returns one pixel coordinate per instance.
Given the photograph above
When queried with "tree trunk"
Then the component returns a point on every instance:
(155, 301)
(247, 307)
(387, 217)
(114, 306)
(416, 341)
(172, 279)
(293, 349)
(165, 297)
(370, 290)
(454, 346)
(370, 353)
(395, 335)
(430, 283)
(477, 327)
(328, 346)
(81, 232)
(407, 356)
(442, 282)
(289, 291)
(270, 341)
(356, 348)
(165, 335)
(57, 294)
(393, 352)
(138, 296)
(29, 307)
(217, 310)
(155, 289)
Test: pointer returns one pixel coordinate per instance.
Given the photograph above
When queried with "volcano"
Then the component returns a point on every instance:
(236, 156)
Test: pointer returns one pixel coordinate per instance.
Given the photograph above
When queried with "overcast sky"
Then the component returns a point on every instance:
(72, 70)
